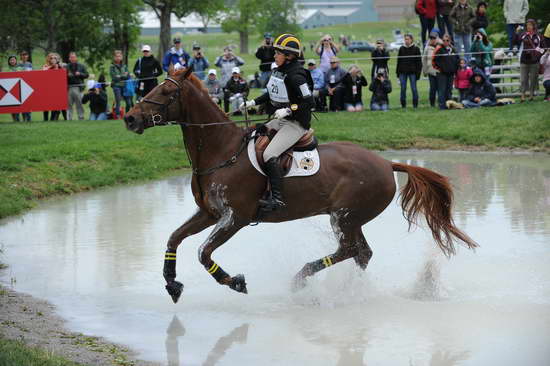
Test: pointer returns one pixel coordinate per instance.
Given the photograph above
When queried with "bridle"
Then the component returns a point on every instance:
(157, 119)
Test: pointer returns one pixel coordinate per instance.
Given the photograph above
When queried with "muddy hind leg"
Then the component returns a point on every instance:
(347, 248)
(224, 230)
(364, 252)
(200, 221)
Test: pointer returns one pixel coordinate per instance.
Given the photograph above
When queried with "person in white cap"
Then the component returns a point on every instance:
(214, 87)
(147, 69)
(237, 90)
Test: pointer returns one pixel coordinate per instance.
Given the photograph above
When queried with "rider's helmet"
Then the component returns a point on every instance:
(288, 44)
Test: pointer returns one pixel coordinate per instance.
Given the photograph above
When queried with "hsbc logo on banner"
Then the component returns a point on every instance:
(14, 91)
(30, 91)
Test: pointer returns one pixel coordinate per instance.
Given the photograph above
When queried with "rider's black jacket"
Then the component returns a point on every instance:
(294, 76)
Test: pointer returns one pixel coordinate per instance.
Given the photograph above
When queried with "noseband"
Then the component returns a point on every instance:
(161, 119)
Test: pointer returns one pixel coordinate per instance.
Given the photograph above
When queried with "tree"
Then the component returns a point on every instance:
(210, 12)
(278, 18)
(243, 19)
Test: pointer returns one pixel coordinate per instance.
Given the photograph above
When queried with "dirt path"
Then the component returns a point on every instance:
(33, 321)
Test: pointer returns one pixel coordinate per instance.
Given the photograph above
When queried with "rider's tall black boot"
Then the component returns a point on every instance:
(275, 175)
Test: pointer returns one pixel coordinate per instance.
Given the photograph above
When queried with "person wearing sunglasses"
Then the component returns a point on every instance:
(326, 49)
(446, 62)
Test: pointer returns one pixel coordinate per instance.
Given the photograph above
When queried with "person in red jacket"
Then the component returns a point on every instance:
(427, 12)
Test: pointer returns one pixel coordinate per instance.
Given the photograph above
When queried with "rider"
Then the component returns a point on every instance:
(290, 101)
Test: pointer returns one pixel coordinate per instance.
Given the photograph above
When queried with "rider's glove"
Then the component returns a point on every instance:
(246, 105)
(282, 113)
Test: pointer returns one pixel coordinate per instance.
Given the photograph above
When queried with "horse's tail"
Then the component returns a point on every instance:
(430, 193)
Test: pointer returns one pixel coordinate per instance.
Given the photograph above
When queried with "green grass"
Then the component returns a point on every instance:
(16, 353)
(44, 159)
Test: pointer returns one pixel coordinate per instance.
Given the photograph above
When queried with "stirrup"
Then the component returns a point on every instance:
(271, 204)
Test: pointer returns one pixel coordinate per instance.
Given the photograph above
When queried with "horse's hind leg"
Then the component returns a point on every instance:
(200, 221)
(347, 248)
(364, 251)
(226, 227)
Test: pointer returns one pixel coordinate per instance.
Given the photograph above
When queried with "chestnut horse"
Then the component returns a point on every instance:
(353, 186)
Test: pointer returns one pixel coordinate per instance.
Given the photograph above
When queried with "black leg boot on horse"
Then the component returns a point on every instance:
(274, 200)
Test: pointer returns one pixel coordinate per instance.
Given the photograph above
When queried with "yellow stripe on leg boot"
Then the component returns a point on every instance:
(213, 269)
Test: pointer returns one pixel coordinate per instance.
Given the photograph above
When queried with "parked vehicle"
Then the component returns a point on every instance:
(360, 46)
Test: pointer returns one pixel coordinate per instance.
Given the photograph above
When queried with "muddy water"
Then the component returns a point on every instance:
(98, 258)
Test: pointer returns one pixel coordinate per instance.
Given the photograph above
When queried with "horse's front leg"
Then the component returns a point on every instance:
(226, 227)
(200, 221)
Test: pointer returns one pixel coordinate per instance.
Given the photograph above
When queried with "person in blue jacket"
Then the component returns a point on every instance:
(175, 56)
(481, 92)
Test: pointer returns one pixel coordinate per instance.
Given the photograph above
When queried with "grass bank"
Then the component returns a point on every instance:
(44, 159)
(17, 353)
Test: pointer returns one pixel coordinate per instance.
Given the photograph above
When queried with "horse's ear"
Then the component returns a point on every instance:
(187, 72)
(171, 69)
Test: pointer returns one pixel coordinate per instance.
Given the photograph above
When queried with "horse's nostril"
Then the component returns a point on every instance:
(129, 119)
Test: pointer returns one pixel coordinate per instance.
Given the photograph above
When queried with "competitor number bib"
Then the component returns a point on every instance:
(277, 89)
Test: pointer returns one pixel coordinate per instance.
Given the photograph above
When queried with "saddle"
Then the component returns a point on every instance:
(307, 142)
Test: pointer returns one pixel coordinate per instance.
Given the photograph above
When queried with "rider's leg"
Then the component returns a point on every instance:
(288, 135)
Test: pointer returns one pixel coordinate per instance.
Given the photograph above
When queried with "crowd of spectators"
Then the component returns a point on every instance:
(457, 55)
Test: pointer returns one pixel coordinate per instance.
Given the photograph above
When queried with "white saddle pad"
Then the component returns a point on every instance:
(304, 163)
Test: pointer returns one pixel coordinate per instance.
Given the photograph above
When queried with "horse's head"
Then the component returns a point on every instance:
(163, 104)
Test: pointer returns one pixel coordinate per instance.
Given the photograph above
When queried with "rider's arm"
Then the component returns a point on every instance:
(302, 111)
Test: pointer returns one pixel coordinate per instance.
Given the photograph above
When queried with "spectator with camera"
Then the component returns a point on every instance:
(462, 16)
(482, 51)
(199, 62)
(326, 49)
(175, 56)
(515, 12)
(353, 83)
(481, 92)
(236, 90)
(380, 57)
(446, 61)
(76, 74)
(319, 90)
(380, 88)
(227, 63)
(98, 102)
(147, 68)
(266, 54)
(214, 87)
(531, 45)
(409, 67)
(334, 86)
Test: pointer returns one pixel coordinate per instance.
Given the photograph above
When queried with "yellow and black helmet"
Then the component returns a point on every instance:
(288, 43)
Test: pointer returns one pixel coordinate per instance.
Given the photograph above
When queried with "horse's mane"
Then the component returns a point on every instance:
(193, 79)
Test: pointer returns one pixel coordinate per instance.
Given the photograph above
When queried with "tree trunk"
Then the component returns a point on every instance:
(243, 37)
(165, 31)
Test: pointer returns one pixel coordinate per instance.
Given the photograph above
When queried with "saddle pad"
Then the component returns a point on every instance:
(304, 163)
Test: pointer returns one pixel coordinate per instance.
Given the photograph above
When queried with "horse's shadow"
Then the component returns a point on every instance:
(176, 330)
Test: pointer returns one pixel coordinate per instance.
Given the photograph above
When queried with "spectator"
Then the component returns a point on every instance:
(481, 17)
(380, 58)
(175, 56)
(25, 65)
(318, 85)
(531, 44)
(237, 90)
(515, 12)
(547, 37)
(444, 8)
(333, 81)
(227, 62)
(462, 78)
(427, 11)
(380, 88)
(482, 51)
(353, 83)
(445, 60)
(326, 49)
(254, 81)
(76, 73)
(119, 75)
(53, 62)
(147, 69)
(12, 66)
(545, 62)
(129, 92)
(98, 102)
(462, 16)
(266, 54)
(199, 62)
(427, 65)
(481, 92)
(214, 87)
(409, 67)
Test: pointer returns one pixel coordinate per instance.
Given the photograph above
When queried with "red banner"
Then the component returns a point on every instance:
(29, 91)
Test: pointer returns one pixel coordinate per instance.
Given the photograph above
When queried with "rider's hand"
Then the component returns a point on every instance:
(246, 105)
(281, 113)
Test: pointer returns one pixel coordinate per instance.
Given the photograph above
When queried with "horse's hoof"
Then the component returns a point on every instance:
(298, 283)
(238, 284)
(174, 289)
